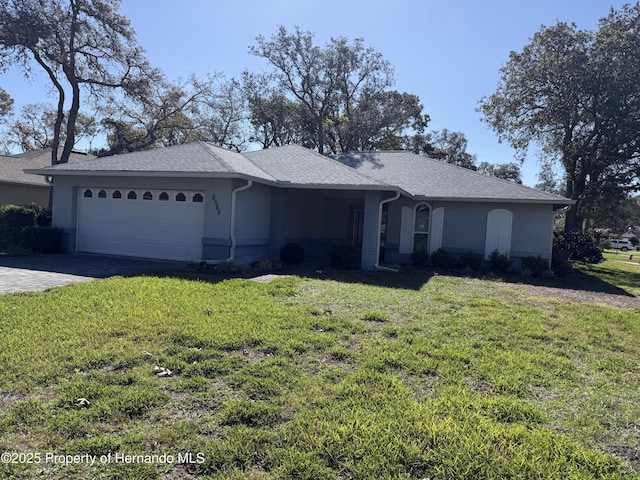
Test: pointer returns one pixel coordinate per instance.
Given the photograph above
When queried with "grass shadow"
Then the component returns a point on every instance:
(594, 278)
(591, 278)
(576, 279)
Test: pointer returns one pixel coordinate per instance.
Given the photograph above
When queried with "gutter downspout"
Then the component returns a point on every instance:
(377, 265)
(232, 226)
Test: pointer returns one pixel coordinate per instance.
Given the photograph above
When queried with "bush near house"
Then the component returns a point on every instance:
(345, 257)
(27, 228)
(579, 247)
(292, 254)
(536, 266)
(471, 260)
(419, 257)
(443, 259)
(500, 262)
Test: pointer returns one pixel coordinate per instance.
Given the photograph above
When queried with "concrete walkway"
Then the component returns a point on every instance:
(40, 272)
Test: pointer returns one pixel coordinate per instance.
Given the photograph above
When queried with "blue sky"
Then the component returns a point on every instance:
(447, 52)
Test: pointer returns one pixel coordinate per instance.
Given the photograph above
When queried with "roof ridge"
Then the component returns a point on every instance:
(207, 145)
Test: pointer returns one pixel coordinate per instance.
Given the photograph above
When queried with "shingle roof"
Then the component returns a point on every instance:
(427, 178)
(293, 165)
(193, 158)
(300, 166)
(12, 166)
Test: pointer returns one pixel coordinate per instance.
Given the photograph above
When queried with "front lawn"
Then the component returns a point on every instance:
(365, 376)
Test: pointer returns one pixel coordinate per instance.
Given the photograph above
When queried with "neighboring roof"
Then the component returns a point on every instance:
(12, 166)
(289, 166)
(424, 177)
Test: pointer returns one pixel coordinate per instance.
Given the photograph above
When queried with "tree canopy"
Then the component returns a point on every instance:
(341, 92)
(334, 97)
(82, 46)
(574, 93)
(6, 104)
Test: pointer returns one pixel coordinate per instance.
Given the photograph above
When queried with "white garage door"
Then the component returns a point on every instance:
(166, 224)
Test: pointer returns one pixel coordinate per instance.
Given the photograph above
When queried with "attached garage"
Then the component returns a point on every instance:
(163, 224)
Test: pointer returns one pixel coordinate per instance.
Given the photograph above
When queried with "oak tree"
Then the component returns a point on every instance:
(343, 88)
(83, 46)
(574, 93)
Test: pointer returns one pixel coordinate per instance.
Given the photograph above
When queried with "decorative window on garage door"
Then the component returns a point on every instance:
(181, 196)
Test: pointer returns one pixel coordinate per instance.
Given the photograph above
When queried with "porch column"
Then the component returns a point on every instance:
(370, 231)
(278, 225)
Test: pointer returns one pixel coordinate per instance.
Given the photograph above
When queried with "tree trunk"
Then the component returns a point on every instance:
(70, 140)
(575, 190)
(321, 135)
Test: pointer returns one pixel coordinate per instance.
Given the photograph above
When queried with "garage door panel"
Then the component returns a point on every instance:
(142, 228)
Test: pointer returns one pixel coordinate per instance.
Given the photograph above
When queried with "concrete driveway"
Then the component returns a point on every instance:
(40, 272)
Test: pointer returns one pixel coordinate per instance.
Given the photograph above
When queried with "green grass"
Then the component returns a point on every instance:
(364, 376)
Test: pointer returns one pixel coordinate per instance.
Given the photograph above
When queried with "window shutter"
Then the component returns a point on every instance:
(498, 232)
(437, 224)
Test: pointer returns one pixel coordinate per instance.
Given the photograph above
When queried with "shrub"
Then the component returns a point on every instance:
(292, 254)
(443, 259)
(12, 219)
(14, 216)
(40, 239)
(263, 265)
(345, 257)
(471, 260)
(500, 262)
(225, 266)
(577, 247)
(26, 229)
(536, 265)
(42, 215)
(419, 257)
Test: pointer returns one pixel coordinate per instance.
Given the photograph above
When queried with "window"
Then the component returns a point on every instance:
(87, 194)
(164, 196)
(116, 194)
(421, 227)
(358, 227)
(102, 194)
(414, 228)
(197, 198)
(147, 196)
(181, 197)
(132, 195)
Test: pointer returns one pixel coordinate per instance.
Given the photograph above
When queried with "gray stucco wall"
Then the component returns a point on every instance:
(253, 222)
(267, 218)
(465, 228)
